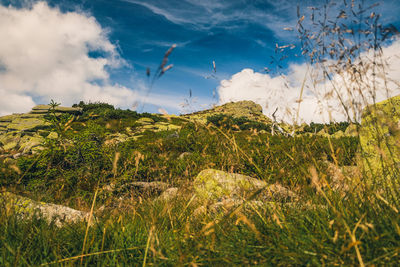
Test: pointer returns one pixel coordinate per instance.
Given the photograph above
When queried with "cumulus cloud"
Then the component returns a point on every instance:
(45, 54)
(321, 101)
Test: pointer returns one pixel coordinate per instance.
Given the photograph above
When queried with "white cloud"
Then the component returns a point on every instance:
(162, 12)
(320, 102)
(44, 54)
(13, 103)
(205, 15)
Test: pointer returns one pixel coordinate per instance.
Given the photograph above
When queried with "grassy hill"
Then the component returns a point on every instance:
(138, 176)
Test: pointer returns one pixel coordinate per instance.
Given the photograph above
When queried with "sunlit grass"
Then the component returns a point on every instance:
(340, 217)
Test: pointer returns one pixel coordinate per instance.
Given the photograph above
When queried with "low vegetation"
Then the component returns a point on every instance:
(76, 168)
(339, 214)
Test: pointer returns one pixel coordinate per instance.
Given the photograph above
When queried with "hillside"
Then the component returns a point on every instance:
(183, 189)
(247, 109)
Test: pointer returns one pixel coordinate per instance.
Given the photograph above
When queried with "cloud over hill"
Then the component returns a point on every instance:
(320, 103)
(45, 53)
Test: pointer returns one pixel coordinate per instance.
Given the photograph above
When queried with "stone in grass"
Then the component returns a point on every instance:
(169, 194)
(26, 208)
(213, 185)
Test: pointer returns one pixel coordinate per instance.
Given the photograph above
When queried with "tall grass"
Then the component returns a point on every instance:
(357, 224)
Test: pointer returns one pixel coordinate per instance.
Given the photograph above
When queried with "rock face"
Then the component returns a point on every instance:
(20, 132)
(26, 208)
(380, 138)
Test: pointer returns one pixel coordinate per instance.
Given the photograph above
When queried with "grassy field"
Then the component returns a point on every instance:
(341, 216)
(324, 227)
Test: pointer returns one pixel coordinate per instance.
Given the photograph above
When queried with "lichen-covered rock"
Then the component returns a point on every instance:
(10, 118)
(43, 109)
(380, 139)
(214, 185)
(33, 120)
(145, 121)
(148, 127)
(27, 143)
(26, 208)
(163, 126)
(116, 138)
(24, 132)
(20, 142)
(147, 124)
(169, 194)
(10, 141)
(27, 124)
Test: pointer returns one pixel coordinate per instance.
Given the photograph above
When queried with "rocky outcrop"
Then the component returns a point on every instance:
(43, 109)
(148, 124)
(380, 139)
(21, 132)
(34, 120)
(26, 208)
(245, 108)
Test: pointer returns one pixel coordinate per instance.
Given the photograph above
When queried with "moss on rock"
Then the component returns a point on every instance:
(26, 208)
(214, 185)
(380, 139)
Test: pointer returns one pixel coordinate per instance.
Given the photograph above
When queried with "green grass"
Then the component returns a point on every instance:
(313, 231)
(280, 236)
(324, 227)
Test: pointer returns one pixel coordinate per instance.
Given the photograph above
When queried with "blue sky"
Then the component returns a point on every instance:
(236, 34)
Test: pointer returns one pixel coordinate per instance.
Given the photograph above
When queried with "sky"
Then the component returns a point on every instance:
(99, 50)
